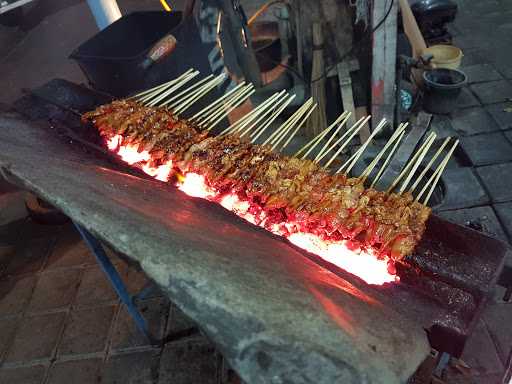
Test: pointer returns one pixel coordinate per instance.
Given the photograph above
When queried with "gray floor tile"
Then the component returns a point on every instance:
(472, 121)
(76, 372)
(95, 288)
(481, 72)
(132, 368)
(25, 375)
(500, 114)
(442, 126)
(462, 189)
(126, 334)
(86, 331)
(487, 149)
(505, 69)
(493, 91)
(480, 218)
(466, 99)
(508, 135)
(15, 294)
(497, 180)
(69, 251)
(497, 317)
(504, 212)
(55, 289)
(473, 57)
(36, 337)
(186, 362)
(480, 353)
(29, 257)
(7, 330)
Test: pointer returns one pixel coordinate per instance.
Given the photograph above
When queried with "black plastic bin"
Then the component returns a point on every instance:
(112, 59)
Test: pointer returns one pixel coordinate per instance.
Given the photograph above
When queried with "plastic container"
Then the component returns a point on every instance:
(445, 56)
(112, 58)
(442, 87)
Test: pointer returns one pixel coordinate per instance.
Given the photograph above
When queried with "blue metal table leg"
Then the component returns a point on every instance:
(115, 279)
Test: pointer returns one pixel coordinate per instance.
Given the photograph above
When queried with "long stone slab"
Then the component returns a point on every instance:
(277, 316)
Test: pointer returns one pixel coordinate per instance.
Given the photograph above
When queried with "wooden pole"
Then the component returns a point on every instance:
(384, 61)
(318, 119)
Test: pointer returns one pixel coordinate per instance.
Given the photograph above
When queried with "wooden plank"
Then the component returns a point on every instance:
(384, 61)
(318, 120)
(347, 96)
(412, 31)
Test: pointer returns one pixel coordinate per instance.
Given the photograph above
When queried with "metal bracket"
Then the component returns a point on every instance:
(116, 281)
(129, 301)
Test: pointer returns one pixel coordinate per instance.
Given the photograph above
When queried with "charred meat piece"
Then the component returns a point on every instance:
(284, 190)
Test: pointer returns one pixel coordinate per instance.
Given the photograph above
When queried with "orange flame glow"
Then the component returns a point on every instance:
(358, 262)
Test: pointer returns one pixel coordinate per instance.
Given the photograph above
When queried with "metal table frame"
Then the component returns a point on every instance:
(120, 288)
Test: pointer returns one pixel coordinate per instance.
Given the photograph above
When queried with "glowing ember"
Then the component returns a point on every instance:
(162, 172)
(114, 142)
(195, 185)
(358, 262)
(129, 152)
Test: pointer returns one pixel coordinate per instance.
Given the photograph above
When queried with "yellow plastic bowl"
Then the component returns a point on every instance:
(445, 56)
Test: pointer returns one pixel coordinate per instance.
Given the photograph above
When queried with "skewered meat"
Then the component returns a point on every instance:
(298, 193)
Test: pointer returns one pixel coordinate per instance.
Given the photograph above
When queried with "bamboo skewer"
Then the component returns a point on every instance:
(269, 110)
(188, 93)
(311, 142)
(429, 165)
(281, 129)
(361, 150)
(320, 154)
(179, 97)
(168, 89)
(436, 175)
(405, 170)
(162, 95)
(248, 125)
(152, 92)
(269, 116)
(375, 161)
(298, 127)
(228, 103)
(354, 132)
(239, 101)
(198, 94)
(235, 127)
(161, 86)
(431, 139)
(388, 159)
(343, 137)
(248, 122)
(272, 117)
(290, 123)
(240, 95)
(205, 112)
(325, 132)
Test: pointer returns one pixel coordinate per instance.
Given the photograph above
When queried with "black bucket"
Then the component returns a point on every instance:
(112, 59)
(442, 89)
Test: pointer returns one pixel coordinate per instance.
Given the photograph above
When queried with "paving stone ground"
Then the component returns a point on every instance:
(66, 325)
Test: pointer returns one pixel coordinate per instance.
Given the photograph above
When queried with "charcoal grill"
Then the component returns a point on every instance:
(277, 313)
